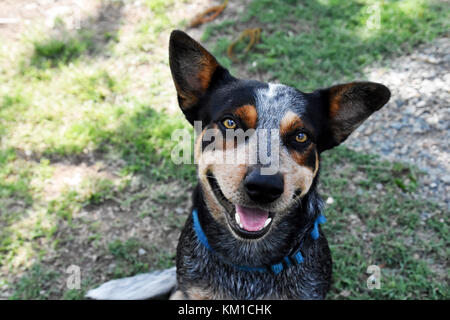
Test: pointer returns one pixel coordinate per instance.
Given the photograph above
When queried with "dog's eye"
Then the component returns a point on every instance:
(229, 123)
(301, 137)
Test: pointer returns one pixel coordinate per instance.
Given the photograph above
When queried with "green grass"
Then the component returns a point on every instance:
(73, 95)
(146, 145)
(389, 230)
(127, 258)
(312, 44)
(77, 294)
(14, 181)
(85, 105)
(375, 217)
(66, 95)
(129, 262)
(35, 285)
(53, 52)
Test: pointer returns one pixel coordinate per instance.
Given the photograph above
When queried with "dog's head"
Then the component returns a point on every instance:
(278, 132)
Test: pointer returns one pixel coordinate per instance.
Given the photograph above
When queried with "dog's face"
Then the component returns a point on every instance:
(272, 135)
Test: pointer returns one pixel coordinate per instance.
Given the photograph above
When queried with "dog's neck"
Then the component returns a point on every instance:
(285, 237)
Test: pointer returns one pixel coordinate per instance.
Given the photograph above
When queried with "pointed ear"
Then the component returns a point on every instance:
(348, 105)
(194, 71)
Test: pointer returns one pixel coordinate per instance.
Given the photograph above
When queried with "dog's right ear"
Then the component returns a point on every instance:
(194, 72)
(346, 106)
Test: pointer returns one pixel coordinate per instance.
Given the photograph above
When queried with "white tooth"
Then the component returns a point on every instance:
(241, 226)
(237, 218)
(267, 222)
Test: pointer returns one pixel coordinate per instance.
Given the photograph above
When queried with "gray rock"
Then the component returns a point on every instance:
(153, 285)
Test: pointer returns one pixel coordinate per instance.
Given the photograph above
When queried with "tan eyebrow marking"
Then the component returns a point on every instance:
(248, 115)
(290, 123)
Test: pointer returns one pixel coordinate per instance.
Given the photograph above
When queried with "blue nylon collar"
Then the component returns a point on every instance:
(293, 259)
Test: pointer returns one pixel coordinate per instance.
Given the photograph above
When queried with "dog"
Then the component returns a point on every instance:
(254, 231)
(256, 235)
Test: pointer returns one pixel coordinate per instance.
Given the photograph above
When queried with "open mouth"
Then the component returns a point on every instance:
(249, 223)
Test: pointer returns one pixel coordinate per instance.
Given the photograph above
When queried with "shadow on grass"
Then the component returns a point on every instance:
(141, 144)
(144, 141)
(65, 46)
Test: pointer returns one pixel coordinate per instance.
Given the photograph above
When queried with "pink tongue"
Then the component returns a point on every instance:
(252, 219)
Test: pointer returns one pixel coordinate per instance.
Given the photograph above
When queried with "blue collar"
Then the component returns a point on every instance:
(293, 259)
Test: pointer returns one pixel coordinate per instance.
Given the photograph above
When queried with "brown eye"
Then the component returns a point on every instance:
(229, 123)
(301, 137)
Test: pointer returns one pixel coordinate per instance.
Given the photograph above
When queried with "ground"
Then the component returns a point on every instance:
(87, 109)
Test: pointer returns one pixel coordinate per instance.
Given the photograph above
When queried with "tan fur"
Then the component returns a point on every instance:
(195, 293)
(248, 115)
(230, 177)
(177, 295)
(295, 177)
(214, 161)
(209, 66)
(336, 94)
(300, 157)
(290, 122)
(317, 163)
(187, 99)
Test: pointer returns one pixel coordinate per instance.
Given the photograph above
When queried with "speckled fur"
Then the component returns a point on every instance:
(198, 267)
(208, 93)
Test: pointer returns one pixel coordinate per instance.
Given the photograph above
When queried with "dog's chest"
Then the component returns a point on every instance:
(210, 278)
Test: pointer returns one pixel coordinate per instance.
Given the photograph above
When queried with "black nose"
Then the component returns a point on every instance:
(263, 188)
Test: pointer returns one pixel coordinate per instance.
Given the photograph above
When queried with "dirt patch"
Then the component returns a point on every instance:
(66, 176)
(138, 214)
(150, 213)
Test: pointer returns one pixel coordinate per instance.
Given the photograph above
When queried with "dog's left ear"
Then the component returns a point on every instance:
(194, 71)
(346, 106)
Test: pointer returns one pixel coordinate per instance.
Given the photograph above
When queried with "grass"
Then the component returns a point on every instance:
(146, 145)
(14, 183)
(337, 36)
(127, 258)
(35, 285)
(99, 101)
(131, 257)
(373, 220)
(53, 52)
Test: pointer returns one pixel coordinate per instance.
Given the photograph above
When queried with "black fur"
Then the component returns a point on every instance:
(308, 280)
(329, 116)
